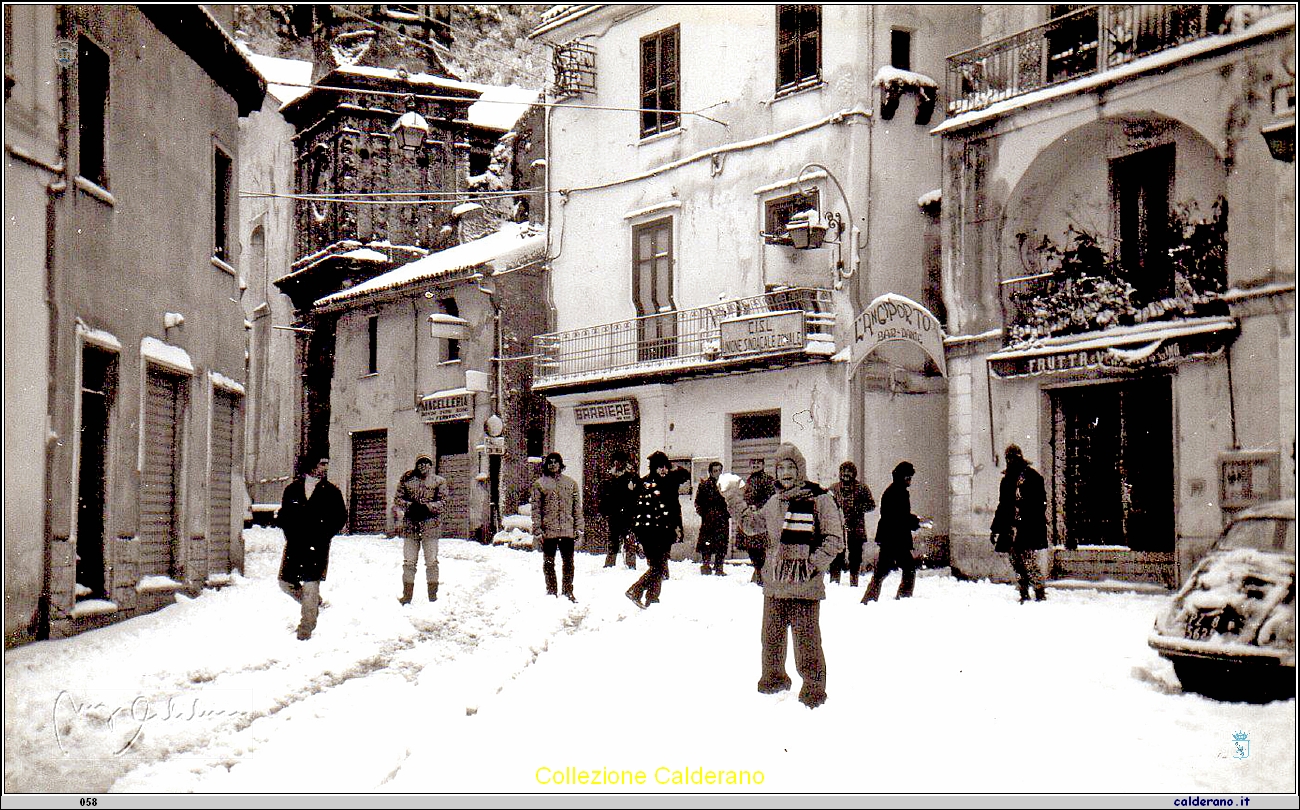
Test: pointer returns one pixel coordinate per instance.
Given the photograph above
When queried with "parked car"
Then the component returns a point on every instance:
(1230, 630)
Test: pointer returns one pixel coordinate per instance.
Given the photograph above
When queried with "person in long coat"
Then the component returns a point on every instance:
(311, 512)
(617, 499)
(1020, 523)
(655, 519)
(419, 499)
(854, 500)
(894, 536)
(804, 532)
(715, 523)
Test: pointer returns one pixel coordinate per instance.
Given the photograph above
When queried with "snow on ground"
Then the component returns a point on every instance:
(497, 686)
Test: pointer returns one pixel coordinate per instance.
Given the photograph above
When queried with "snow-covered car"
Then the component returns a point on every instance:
(1230, 630)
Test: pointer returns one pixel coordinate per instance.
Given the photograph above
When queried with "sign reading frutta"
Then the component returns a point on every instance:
(597, 413)
(894, 317)
(763, 333)
(447, 407)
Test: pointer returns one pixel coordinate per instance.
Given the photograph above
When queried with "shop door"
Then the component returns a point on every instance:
(1113, 480)
(98, 377)
(599, 443)
(454, 463)
(225, 426)
(369, 486)
(160, 476)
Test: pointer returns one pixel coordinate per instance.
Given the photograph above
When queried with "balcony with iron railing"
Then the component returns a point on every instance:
(1087, 42)
(782, 327)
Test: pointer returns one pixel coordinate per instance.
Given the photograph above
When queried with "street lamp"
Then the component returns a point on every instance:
(808, 229)
(411, 128)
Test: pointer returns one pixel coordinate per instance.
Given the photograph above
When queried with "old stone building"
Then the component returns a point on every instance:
(1119, 245)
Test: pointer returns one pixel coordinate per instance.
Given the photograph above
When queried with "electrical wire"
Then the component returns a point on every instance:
(254, 195)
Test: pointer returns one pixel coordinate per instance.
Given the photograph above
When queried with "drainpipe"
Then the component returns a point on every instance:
(859, 292)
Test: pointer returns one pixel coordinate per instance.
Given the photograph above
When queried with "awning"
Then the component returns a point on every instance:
(1149, 345)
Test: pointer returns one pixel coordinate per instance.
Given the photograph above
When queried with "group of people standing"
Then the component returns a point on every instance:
(793, 529)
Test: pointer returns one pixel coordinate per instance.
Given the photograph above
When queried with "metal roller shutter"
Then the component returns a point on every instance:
(754, 435)
(225, 412)
(459, 473)
(369, 482)
(160, 476)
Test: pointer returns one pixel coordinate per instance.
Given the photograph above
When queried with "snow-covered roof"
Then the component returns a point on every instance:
(412, 78)
(517, 243)
(282, 75)
(500, 107)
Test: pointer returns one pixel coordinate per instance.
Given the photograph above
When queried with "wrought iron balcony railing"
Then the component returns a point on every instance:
(1086, 42)
(795, 322)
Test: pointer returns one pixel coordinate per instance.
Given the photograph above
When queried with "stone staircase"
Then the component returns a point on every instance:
(1100, 563)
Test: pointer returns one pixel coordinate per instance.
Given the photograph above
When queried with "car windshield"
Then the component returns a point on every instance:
(1268, 534)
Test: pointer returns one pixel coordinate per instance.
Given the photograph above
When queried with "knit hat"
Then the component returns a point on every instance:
(788, 452)
(556, 457)
(423, 460)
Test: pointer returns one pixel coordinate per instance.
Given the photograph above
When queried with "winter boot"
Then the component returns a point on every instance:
(1040, 594)
(835, 577)
(705, 570)
(611, 559)
(408, 591)
(433, 592)
(853, 579)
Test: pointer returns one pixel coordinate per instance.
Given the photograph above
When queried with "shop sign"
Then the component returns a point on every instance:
(763, 333)
(1154, 354)
(893, 317)
(599, 413)
(455, 407)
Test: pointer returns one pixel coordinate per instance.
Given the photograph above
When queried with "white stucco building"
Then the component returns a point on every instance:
(685, 140)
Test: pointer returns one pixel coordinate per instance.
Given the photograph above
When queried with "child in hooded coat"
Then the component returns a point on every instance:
(804, 532)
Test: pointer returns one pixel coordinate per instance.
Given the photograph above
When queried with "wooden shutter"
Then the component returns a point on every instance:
(160, 476)
(221, 490)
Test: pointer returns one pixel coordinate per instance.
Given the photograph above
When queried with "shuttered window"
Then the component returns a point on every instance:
(160, 474)
(660, 82)
(369, 487)
(221, 490)
(754, 435)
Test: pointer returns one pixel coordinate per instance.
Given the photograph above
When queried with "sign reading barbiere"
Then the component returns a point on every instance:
(598, 413)
(893, 317)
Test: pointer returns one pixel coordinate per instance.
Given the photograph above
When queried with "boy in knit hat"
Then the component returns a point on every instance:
(804, 532)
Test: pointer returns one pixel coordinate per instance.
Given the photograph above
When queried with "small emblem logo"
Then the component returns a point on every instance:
(65, 52)
(1240, 745)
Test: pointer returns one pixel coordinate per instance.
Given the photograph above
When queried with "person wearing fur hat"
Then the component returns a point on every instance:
(557, 520)
(420, 493)
(894, 536)
(804, 533)
(655, 518)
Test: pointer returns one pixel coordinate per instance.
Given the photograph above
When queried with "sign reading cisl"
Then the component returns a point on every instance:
(893, 317)
(763, 333)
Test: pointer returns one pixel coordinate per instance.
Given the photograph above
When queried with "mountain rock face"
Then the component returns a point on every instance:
(476, 43)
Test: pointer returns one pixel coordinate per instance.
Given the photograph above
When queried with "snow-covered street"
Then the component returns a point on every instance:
(497, 687)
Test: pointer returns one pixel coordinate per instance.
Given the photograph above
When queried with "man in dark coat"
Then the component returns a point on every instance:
(311, 513)
(759, 487)
(855, 501)
(715, 522)
(655, 519)
(894, 536)
(617, 498)
(1020, 523)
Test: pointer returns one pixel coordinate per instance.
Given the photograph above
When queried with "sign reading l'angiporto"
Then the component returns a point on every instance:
(893, 317)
